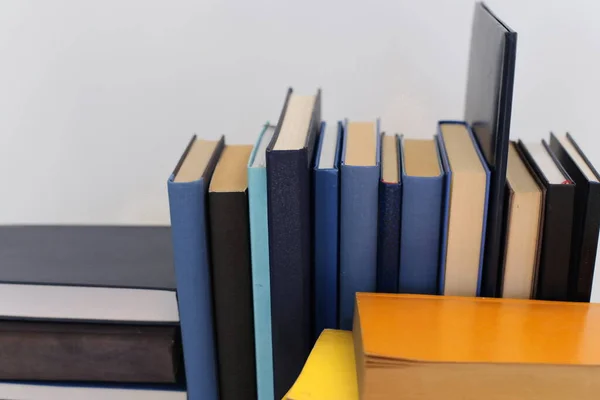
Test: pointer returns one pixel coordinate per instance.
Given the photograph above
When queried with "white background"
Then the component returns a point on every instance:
(99, 98)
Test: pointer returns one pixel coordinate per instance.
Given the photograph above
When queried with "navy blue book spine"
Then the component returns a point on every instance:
(358, 236)
(326, 242)
(187, 203)
(388, 240)
(422, 202)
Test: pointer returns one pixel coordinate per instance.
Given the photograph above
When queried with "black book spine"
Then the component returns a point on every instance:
(289, 213)
(553, 275)
(232, 293)
(388, 240)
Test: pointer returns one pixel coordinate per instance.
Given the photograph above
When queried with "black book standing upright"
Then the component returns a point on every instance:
(289, 199)
(488, 110)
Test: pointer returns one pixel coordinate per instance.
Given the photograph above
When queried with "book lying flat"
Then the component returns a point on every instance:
(388, 238)
(67, 391)
(443, 347)
(555, 251)
(586, 215)
(231, 274)
(72, 351)
(326, 175)
(466, 203)
(89, 273)
(524, 211)
(329, 372)
(188, 186)
(259, 246)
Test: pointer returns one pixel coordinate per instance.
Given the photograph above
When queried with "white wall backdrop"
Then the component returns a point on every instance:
(98, 98)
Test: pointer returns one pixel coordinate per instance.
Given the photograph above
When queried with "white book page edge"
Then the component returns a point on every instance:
(328, 147)
(545, 162)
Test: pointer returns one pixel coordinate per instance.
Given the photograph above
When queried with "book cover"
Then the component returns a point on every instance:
(259, 246)
(586, 215)
(289, 199)
(447, 211)
(359, 191)
(555, 252)
(231, 274)
(326, 226)
(422, 204)
(187, 187)
(388, 237)
(488, 108)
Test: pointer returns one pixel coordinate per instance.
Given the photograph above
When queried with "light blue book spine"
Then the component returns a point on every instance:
(259, 246)
(187, 203)
(358, 232)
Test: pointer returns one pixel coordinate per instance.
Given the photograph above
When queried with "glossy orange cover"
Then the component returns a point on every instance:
(479, 330)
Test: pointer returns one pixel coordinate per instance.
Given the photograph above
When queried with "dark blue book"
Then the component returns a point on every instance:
(388, 240)
(326, 226)
(289, 203)
(188, 186)
(422, 201)
(358, 215)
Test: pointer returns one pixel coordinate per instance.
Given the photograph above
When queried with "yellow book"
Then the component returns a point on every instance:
(329, 372)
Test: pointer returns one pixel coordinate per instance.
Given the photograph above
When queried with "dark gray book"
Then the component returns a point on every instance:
(89, 273)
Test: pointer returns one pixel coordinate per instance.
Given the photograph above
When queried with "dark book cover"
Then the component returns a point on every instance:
(326, 237)
(289, 198)
(586, 220)
(388, 237)
(552, 280)
(122, 353)
(189, 227)
(232, 293)
(488, 111)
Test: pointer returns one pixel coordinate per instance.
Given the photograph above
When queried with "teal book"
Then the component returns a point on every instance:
(259, 246)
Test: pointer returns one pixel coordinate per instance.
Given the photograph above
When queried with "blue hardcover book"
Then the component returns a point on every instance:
(326, 227)
(422, 203)
(259, 246)
(289, 196)
(388, 241)
(465, 210)
(188, 186)
(358, 215)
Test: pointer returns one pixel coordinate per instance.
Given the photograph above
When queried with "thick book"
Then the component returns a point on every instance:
(444, 347)
(88, 273)
(422, 205)
(326, 226)
(259, 246)
(465, 210)
(388, 235)
(555, 251)
(188, 187)
(90, 352)
(586, 215)
(69, 391)
(488, 110)
(359, 191)
(524, 219)
(330, 371)
(289, 200)
(231, 274)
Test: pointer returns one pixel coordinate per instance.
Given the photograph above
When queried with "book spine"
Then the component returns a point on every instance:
(553, 274)
(194, 292)
(261, 289)
(290, 258)
(421, 235)
(358, 236)
(388, 240)
(581, 282)
(326, 245)
(232, 293)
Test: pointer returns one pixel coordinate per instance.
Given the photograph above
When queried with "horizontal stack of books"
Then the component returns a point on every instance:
(88, 312)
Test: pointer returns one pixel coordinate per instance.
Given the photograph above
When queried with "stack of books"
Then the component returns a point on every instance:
(88, 312)
(273, 242)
